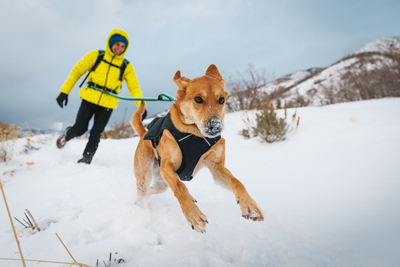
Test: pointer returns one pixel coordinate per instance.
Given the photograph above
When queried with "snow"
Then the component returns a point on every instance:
(297, 76)
(327, 78)
(285, 82)
(384, 45)
(330, 194)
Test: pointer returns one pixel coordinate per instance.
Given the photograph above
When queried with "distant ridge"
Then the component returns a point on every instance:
(370, 72)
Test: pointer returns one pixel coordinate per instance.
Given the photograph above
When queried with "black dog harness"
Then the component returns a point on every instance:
(192, 147)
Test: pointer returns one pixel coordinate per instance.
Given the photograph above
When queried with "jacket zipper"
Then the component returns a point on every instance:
(105, 84)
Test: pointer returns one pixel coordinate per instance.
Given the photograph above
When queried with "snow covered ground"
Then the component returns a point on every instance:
(330, 193)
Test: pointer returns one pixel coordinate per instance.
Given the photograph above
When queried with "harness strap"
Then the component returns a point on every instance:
(208, 143)
(97, 87)
(109, 63)
(184, 137)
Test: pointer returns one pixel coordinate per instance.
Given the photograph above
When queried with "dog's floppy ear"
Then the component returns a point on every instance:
(182, 82)
(213, 72)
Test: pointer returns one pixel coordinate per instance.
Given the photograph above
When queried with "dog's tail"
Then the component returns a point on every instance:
(136, 120)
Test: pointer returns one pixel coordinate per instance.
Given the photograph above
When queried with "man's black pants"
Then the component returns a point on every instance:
(86, 112)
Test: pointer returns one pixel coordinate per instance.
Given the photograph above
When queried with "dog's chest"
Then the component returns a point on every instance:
(191, 146)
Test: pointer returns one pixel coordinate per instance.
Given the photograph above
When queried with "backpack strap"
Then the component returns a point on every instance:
(122, 69)
(98, 60)
(96, 64)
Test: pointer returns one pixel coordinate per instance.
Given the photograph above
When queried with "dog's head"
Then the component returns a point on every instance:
(201, 101)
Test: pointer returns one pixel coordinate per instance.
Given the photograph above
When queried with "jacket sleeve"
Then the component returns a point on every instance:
(83, 66)
(132, 83)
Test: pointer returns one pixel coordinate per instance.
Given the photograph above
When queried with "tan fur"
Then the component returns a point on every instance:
(188, 116)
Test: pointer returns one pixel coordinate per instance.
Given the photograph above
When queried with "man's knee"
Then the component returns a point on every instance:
(75, 131)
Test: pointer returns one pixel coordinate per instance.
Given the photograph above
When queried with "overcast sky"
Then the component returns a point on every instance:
(41, 40)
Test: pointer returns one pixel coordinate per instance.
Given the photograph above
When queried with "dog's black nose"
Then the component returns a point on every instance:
(214, 126)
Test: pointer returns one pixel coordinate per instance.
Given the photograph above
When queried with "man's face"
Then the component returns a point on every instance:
(118, 48)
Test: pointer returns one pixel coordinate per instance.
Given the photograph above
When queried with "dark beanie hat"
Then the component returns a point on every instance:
(117, 38)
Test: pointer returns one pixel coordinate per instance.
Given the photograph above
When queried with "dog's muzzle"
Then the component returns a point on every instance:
(214, 127)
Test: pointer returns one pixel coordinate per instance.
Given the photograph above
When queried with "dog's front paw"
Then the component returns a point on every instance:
(196, 219)
(250, 209)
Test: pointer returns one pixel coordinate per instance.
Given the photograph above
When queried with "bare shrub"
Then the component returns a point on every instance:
(8, 135)
(119, 130)
(29, 145)
(298, 101)
(244, 89)
(267, 125)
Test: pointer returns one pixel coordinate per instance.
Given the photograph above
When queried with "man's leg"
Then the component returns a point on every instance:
(83, 117)
(101, 118)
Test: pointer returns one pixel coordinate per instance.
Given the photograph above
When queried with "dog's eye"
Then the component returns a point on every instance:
(221, 100)
(199, 100)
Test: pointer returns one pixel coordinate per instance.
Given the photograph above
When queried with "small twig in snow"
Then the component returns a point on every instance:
(21, 222)
(29, 222)
(30, 225)
(30, 215)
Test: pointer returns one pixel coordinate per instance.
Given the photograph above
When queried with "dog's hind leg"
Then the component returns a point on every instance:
(159, 185)
(142, 168)
(143, 180)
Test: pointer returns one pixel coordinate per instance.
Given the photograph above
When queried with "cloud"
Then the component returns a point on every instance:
(43, 39)
(57, 126)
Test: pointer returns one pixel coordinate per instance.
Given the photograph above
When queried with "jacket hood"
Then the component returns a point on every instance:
(113, 32)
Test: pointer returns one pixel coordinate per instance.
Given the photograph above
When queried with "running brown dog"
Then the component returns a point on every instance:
(197, 114)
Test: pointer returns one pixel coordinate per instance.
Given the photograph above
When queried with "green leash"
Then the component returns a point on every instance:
(161, 97)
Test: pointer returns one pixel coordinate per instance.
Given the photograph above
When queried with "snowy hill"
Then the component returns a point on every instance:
(369, 73)
(386, 45)
(351, 78)
(330, 194)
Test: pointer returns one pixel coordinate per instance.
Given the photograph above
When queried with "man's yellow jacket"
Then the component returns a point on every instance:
(105, 75)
